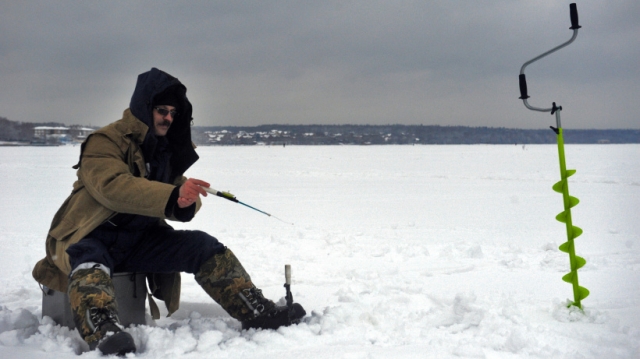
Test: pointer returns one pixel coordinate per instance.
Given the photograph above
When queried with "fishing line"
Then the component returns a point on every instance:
(232, 198)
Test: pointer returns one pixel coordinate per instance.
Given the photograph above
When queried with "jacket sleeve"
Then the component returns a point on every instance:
(175, 213)
(106, 170)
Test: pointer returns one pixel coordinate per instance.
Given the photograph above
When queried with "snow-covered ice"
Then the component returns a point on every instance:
(396, 252)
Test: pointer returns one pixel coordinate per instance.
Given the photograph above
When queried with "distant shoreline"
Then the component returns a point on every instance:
(23, 134)
(399, 135)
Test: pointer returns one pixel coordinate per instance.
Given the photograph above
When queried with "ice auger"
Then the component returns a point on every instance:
(562, 186)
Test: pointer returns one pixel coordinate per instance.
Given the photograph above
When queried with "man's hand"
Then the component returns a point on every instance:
(190, 191)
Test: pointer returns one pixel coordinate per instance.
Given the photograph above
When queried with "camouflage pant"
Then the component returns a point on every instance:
(229, 284)
(90, 289)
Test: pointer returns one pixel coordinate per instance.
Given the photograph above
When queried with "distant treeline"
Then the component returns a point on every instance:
(399, 134)
(19, 131)
(362, 134)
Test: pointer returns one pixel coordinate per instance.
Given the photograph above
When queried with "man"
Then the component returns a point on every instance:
(130, 179)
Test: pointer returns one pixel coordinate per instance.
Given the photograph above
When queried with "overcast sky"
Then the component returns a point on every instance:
(325, 62)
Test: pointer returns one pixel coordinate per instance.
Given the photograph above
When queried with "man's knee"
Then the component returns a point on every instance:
(202, 247)
(90, 250)
(207, 243)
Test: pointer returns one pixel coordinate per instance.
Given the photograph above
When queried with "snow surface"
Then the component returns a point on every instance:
(396, 252)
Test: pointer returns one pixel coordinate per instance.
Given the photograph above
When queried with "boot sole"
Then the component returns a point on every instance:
(120, 344)
(291, 316)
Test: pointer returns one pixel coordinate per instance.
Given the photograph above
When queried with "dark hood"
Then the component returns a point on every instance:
(149, 85)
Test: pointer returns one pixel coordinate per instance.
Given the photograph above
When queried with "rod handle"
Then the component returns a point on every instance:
(210, 190)
(523, 87)
(573, 10)
(225, 195)
(287, 274)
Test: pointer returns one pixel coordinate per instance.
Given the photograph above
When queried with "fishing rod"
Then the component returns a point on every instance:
(562, 186)
(232, 198)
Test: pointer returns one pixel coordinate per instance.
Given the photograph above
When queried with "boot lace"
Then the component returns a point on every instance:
(98, 317)
(254, 299)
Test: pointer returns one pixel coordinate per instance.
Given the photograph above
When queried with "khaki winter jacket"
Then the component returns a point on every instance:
(111, 180)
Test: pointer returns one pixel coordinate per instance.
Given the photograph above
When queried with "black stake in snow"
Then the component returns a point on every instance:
(232, 198)
(287, 284)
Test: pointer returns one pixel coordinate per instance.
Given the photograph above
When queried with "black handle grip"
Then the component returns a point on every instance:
(523, 87)
(573, 9)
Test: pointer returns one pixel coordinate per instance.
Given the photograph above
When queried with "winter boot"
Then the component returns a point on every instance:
(269, 316)
(229, 284)
(95, 312)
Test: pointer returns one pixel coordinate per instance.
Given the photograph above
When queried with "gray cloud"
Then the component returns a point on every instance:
(378, 62)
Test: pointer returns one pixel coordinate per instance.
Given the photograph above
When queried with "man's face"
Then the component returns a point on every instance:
(161, 123)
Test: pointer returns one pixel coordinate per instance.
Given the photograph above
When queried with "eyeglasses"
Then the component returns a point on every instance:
(163, 112)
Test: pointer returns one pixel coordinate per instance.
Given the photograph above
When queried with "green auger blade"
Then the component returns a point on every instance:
(568, 277)
(565, 247)
(580, 262)
(577, 231)
(559, 186)
(581, 293)
(584, 292)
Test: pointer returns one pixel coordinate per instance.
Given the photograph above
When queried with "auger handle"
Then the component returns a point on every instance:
(523, 87)
(573, 10)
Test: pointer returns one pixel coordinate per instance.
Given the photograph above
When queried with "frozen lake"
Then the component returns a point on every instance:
(396, 251)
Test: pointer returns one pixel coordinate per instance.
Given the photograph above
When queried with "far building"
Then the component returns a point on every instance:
(60, 134)
(79, 133)
(51, 134)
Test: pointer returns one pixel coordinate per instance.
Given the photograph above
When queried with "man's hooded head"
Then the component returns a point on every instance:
(157, 86)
